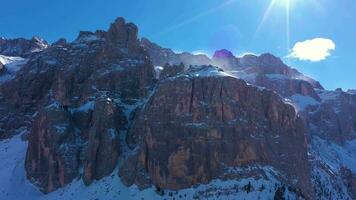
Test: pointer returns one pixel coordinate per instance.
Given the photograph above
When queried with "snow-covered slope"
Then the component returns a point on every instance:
(12, 65)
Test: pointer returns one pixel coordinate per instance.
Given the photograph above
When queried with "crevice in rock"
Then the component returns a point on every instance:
(192, 96)
(222, 101)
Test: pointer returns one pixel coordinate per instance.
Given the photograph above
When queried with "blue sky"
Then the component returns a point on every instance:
(205, 26)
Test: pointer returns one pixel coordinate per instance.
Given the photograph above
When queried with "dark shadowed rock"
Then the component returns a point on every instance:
(171, 70)
(102, 152)
(60, 42)
(52, 156)
(350, 180)
(2, 68)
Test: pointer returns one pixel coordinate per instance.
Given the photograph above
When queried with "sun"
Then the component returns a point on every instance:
(286, 7)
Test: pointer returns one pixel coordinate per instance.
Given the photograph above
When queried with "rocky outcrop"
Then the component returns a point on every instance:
(171, 71)
(267, 71)
(21, 47)
(226, 60)
(349, 180)
(103, 148)
(81, 88)
(52, 155)
(161, 56)
(2, 68)
(286, 87)
(197, 125)
(351, 91)
(335, 118)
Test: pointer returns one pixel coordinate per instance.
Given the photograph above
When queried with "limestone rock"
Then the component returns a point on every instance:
(193, 127)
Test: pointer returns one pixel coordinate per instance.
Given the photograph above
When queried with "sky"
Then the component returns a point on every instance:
(317, 37)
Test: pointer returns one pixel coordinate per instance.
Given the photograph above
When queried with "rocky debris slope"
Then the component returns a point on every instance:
(161, 56)
(207, 121)
(21, 47)
(75, 96)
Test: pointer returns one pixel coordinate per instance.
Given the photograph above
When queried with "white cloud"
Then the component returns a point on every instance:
(313, 50)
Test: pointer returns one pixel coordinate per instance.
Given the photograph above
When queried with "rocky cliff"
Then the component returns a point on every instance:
(198, 124)
(76, 93)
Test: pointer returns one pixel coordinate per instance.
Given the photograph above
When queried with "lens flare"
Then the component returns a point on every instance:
(271, 6)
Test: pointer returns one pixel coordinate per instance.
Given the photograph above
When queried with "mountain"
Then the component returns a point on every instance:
(268, 71)
(21, 47)
(110, 115)
(161, 56)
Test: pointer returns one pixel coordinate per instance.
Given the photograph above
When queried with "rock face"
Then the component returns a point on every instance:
(161, 56)
(268, 71)
(102, 152)
(51, 160)
(350, 180)
(2, 68)
(21, 47)
(208, 123)
(81, 90)
(335, 118)
(225, 59)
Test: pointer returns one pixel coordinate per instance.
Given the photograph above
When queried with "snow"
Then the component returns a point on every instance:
(13, 183)
(249, 77)
(327, 158)
(351, 91)
(277, 76)
(87, 38)
(300, 102)
(326, 95)
(158, 71)
(12, 65)
(84, 108)
(112, 132)
(61, 128)
(208, 71)
(334, 155)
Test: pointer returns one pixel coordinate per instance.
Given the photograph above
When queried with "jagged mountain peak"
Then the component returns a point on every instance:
(223, 53)
(161, 56)
(22, 47)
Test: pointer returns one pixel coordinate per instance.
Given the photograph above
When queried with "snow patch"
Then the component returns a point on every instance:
(158, 71)
(301, 102)
(334, 155)
(12, 65)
